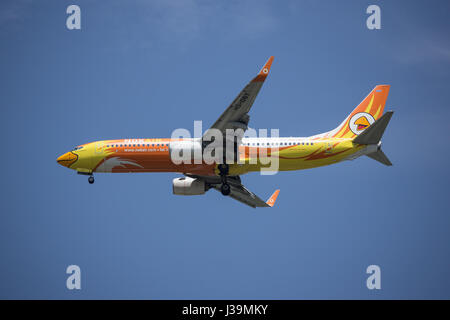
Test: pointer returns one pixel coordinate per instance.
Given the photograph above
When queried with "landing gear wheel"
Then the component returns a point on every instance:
(91, 179)
(225, 189)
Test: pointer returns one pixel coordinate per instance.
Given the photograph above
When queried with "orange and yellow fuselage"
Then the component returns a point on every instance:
(153, 155)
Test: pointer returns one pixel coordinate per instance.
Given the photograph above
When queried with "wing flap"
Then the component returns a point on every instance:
(243, 195)
(238, 191)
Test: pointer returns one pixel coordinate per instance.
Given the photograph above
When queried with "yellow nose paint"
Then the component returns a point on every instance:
(67, 159)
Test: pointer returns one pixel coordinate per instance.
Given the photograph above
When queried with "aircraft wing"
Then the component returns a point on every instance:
(236, 115)
(242, 194)
(238, 191)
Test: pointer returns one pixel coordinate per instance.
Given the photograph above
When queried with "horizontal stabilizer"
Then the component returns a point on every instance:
(380, 157)
(373, 134)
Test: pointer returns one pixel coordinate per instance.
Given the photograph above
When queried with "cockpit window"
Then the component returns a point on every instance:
(77, 148)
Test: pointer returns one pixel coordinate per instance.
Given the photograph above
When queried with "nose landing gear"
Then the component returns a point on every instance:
(90, 174)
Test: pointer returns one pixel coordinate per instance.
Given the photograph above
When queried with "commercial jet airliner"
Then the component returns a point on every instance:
(359, 134)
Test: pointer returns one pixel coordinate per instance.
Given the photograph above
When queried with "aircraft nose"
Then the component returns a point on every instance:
(67, 159)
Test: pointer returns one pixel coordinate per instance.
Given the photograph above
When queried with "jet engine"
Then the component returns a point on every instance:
(186, 186)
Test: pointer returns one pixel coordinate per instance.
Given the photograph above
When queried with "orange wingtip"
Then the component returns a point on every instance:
(264, 72)
(273, 198)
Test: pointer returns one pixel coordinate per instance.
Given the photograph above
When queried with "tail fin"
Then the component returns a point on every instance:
(373, 134)
(365, 114)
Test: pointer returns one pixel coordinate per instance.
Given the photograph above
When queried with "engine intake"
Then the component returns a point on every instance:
(186, 186)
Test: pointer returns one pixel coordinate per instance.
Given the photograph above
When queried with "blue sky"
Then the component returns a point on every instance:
(139, 69)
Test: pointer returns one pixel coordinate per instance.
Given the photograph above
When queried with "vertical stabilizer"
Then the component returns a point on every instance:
(363, 116)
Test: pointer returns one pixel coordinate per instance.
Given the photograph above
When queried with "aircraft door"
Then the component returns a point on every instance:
(99, 147)
(328, 147)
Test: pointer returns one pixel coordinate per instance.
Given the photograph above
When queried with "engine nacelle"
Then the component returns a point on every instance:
(186, 151)
(187, 186)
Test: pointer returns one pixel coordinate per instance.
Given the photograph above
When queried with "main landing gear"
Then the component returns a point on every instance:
(91, 180)
(225, 187)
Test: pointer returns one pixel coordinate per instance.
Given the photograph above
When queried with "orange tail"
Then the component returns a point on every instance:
(369, 110)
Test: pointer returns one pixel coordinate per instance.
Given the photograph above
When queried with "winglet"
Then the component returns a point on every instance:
(264, 72)
(273, 198)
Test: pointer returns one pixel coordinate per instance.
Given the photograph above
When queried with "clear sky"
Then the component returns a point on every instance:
(140, 69)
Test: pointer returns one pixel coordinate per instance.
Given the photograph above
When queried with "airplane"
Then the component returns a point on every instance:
(359, 134)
